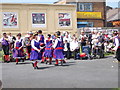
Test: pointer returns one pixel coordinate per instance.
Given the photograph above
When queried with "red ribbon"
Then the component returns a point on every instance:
(59, 48)
(17, 47)
(47, 48)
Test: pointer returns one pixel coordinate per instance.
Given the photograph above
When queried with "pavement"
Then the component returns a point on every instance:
(97, 73)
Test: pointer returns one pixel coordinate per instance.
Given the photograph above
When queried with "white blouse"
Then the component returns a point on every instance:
(33, 44)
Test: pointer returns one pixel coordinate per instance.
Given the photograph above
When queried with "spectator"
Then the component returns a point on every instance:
(74, 47)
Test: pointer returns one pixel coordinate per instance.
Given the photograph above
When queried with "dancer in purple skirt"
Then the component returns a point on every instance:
(48, 53)
(35, 53)
(41, 40)
(18, 52)
(58, 49)
(40, 37)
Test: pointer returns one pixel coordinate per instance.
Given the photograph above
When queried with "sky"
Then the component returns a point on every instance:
(112, 3)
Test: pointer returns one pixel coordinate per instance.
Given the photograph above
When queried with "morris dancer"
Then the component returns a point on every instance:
(18, 52)
(35, 53)
(41, 40)
(48, 53)
(117, 46)
(58, 49)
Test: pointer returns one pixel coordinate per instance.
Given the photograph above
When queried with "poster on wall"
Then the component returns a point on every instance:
(10, 19)
(64, 19)
(38, 20)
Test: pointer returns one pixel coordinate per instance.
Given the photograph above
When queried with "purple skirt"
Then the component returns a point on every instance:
(58, 54)
(18, 53)
(48, 53)
(35, 55)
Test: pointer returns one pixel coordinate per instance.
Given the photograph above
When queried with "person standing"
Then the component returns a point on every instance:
(74, 47)
(58, 49)
(40, 37)
(66, 49)
(117, 46)
(83, 38)
(48, 53)
(90, 41)
(35, 53)
(5, 46)
(12, 41)
(0, 85)
(66, 40)
(18, 52)
(41, 41)
(27, 42)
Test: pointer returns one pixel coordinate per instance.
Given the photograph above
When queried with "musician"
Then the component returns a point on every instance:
(27, 41)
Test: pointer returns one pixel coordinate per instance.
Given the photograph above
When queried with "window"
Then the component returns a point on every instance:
(84, 7)
(85, 24)
(90, 24)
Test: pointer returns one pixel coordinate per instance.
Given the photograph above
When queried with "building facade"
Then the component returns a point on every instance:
(90, 13)
(22, 18)
(113, 17)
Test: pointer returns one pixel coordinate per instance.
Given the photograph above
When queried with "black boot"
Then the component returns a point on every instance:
(64, 61)
(46, 62)
(36, 67)
(42, 61)
(33, 64)
(16, 63)
(8, 61)
(50, 63)
(56, 65)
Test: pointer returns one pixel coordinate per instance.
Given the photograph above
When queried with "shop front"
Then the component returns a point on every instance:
(84, 24)
(88, 19)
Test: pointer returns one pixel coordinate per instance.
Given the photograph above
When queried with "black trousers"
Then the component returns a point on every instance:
(67, 54)
(5, 49)
(28, 49)
(75, 53)
(118, 54)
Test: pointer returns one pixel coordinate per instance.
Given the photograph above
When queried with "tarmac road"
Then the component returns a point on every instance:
(98, 73)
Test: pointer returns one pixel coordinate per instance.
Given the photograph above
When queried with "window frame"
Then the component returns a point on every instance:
(92, 24)
(83, 6)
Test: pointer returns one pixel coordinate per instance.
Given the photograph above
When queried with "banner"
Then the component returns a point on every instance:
(10, 20)
(64, 19)
(89, 15)
(38, 20)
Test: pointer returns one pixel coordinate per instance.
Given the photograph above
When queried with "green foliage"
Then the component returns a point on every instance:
(116, 89)
(1, 54)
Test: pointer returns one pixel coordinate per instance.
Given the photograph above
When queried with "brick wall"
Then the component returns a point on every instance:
(97, 7)
(97, 23)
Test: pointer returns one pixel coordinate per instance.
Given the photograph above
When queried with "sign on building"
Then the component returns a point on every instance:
(95, 15)
(10, 19)
(64, 19)
(38, 20)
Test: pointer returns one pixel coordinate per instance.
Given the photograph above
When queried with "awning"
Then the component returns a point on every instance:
(82, 22)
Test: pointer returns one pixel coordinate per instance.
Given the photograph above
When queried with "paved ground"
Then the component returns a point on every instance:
(101, 73)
